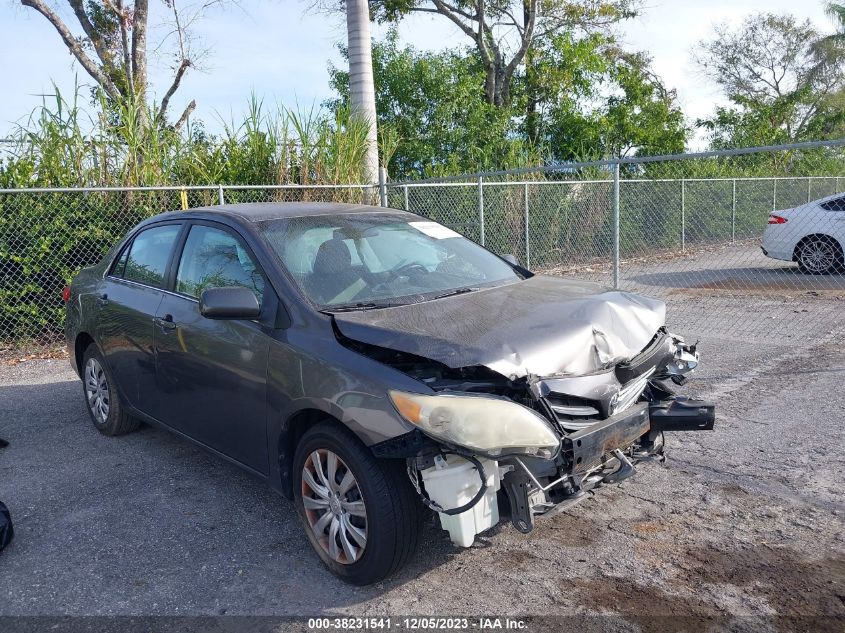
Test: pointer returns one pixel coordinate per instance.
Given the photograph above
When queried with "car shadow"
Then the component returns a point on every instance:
(149, 523)
(741, 278)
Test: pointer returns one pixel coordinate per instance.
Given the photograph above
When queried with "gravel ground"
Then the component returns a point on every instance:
(746, 520)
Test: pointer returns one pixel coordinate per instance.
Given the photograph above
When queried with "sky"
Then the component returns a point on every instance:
(280, 51)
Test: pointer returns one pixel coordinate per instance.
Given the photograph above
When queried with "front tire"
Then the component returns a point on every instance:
(360, 514)
(820, 255)
(101, 397)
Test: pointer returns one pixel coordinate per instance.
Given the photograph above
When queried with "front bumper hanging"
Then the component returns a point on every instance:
(682, 414)
(603, 453)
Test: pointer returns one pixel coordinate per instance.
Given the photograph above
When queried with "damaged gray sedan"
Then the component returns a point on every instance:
(369, 363)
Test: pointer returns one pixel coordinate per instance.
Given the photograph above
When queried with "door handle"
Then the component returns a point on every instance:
(103, 299)
(165, 323)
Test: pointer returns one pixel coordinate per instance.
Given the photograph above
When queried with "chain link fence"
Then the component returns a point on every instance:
(688, 229)
(47, 235)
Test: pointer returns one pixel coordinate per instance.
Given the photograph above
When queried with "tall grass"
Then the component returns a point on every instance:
(45, 238)
(64, 145)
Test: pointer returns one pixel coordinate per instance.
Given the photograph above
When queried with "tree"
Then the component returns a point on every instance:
(504, 31)
(634, 112)
(836, 12)
(361, 87)
(782, 78)
(434, 104)
(588, 102)
(112, 48)
(560, 74)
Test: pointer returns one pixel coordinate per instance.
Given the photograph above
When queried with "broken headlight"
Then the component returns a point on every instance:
(488, 425)
(684, 360)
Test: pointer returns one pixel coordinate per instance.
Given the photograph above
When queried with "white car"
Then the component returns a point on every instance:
(812, 235)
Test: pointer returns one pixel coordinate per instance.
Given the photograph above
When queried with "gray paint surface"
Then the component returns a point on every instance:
(542, 326)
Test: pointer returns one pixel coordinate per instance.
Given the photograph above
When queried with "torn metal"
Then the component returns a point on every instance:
(598, 365)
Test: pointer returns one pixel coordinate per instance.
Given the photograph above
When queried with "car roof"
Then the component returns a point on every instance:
(261, 211)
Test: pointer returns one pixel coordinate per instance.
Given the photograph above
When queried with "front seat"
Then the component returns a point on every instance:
(333, 273)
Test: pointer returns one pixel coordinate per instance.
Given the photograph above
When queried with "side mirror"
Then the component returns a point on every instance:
(233, 302)
(511, 259)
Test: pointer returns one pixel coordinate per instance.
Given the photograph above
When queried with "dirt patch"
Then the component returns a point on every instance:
(517, 558)
(13, 357)
(648, 606)
(655, 610)
(603, 265)
(696, 587)
(791, 585)
(734, 490)
(572, 530)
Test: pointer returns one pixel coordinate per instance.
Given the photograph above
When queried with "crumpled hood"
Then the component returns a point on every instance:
(542, 326)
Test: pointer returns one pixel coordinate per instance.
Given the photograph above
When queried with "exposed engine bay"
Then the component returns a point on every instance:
(605, 422)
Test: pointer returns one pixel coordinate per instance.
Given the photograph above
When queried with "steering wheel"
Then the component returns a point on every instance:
(409, 269)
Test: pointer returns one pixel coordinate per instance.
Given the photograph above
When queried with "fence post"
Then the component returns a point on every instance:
(809, 192)
(527, 232)
(220, 198)
(382, 186)
(481, 209)
(405, 191)
(733, 214)
(683, 215)
(616, 224)
(775, 194)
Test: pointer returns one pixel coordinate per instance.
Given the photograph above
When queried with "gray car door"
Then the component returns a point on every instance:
(128, 299)
(211, 375)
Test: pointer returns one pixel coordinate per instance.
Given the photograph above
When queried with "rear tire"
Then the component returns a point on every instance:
(820, 255)
(360, 513)
(101, 397)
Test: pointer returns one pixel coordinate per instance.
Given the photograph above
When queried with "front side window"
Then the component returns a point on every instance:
(380, 259)
(149, 254)
(213, 258)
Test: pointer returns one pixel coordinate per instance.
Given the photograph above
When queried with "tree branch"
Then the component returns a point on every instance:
(483, 49)
(446, 11)
(177, 79)
(124, 40)
(74, 46)
(527, 38)
(185, 114)
(93, 35)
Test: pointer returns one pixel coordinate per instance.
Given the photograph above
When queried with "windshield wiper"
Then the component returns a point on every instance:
(351, 307)
(456, 291)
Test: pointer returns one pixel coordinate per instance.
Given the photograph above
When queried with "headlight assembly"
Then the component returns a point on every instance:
(488, 425)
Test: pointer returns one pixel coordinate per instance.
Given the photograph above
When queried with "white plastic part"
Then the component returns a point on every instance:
(452, 482)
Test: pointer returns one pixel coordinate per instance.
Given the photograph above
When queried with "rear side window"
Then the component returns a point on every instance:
(149, 254)
(119, 266)
(213, 258)
(837, 204)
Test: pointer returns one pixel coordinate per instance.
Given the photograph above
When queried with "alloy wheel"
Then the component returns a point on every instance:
(97, 390)
(818, 256)
(334, 506)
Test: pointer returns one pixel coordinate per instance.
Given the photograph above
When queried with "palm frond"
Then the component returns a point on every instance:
(836, 12)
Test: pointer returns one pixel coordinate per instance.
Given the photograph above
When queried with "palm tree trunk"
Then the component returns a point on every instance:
(362, 92)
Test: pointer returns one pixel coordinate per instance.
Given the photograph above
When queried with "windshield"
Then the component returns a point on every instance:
(371, 260)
